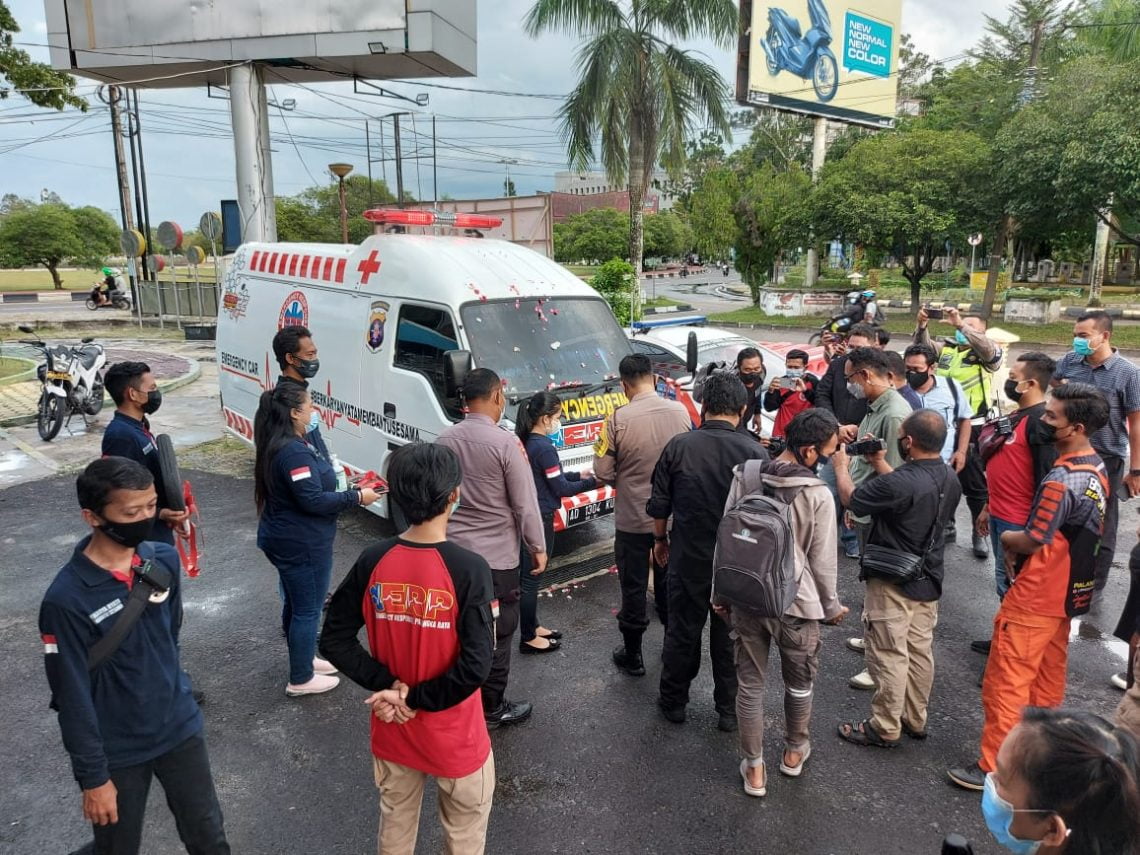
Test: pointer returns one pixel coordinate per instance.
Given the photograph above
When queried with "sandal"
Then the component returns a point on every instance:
(865, 735)
(794, 771)
(757, 792)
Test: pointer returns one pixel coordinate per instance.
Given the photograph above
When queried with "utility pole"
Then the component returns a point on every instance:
(136, 132)
(368, 154)
(434, 168)
(1005, 227)
(1100, 254)
(818, 155)
(399, 162)
(113, 97)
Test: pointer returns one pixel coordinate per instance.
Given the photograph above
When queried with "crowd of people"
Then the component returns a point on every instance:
(728, 528)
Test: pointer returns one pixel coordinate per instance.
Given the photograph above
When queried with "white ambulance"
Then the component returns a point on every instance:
(401, 318)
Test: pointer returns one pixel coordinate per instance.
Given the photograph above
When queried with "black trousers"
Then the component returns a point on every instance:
(1114, 466)
(184, 773)
(507, 593)
(972, 478)
(690, 588)
(633, 554)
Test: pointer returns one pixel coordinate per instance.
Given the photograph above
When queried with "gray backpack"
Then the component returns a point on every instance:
(754, 566)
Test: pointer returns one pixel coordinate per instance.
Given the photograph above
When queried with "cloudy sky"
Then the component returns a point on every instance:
(189, 152)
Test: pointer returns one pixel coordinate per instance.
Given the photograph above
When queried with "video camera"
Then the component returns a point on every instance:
(865, 446)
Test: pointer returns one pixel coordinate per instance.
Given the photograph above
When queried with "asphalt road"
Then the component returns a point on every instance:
(596, 770)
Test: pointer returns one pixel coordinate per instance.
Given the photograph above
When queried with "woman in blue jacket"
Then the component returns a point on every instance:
(538, 421)
(297, 500)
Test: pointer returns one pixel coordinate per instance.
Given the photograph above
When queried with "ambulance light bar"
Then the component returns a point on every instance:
(405, 217)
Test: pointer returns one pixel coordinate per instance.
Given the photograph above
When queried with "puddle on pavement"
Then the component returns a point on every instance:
(14, 461)
(1082, 630)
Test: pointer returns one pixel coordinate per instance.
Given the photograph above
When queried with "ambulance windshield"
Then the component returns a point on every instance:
(538, 344)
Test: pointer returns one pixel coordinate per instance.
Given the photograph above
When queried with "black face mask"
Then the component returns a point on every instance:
(153, 402)
(818, 460)
(307, 368)
(904, 447)
(752, 380)
(917, 379)
(128, 534)
(1011, 392)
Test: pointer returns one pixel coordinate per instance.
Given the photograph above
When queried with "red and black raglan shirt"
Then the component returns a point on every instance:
(427, 611)
(1067, 519)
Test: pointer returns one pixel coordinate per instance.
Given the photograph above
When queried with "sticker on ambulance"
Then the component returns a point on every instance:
(295, 312)
(376, 321)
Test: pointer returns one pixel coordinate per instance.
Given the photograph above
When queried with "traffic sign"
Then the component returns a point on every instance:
(974, 239)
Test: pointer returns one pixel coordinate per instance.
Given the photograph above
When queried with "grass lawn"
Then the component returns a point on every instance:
(81, 279)
(1060, 334)
(581, 269)
(659, 303)
(11, 367)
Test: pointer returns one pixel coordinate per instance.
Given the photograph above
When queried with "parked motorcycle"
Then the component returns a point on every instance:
(805, 55)
(115, 300)
(72, 378)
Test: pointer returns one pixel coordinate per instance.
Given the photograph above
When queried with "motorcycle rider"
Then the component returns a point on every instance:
(104, 291)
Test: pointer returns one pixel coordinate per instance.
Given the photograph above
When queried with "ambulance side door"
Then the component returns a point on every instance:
(412, 398)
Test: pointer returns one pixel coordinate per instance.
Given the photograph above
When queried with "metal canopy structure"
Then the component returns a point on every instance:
(245, 44)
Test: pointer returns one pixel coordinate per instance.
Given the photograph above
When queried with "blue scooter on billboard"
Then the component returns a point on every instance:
(805, 55)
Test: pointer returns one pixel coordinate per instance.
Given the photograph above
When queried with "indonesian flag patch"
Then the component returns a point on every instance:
(553, 472)
(49, 644)
(300, 473)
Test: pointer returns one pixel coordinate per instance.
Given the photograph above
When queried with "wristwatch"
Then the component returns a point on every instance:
(661, 538)
(1134, 473)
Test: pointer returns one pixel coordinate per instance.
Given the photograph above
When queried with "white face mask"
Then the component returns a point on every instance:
(555, 427)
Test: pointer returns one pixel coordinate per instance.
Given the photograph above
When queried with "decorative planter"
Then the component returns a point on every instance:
(797, 302)
(1032, 310)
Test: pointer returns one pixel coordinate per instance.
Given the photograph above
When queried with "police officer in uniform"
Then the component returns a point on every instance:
(970, 358)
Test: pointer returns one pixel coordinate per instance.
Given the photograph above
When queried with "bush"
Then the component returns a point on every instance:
(615, 282)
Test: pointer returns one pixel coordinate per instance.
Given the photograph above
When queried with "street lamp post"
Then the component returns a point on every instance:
(340, 170)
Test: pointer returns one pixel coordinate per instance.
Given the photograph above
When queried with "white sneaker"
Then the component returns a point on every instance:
(1120, 681)
(323, 667)
(319, 684)
(862, 680)
(857, 644)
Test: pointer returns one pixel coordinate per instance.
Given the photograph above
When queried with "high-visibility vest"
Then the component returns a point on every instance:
(964, 366)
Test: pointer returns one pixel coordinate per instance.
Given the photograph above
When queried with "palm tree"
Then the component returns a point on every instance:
(638, 93)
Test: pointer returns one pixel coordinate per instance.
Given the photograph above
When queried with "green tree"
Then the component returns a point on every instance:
(37, 82)
(711, 213)
(509, 187)
(97, 233)
(594, 235)
(638, 94)
(615, 281)
(907, 194)
(40, 235)
(314, 214)
(772, 216)
(667, 235)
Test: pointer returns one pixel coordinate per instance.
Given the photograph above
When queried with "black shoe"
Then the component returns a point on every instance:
(199, 696)
(950, 533)
(982, 647)
(530, 649)
(726, 721)
(981, 547)
(673, 714)
(630, 663)
(554, 634)
(509, 712)
(968, 777)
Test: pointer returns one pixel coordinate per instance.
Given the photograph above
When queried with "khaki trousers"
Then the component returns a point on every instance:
(899, 637)
(1128, 712)
(464, 808)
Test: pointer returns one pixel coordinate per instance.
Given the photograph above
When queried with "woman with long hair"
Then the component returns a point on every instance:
(1066, 782)
(298, 503)
(538, 420)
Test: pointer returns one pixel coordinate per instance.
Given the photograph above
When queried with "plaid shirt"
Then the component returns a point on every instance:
(1119, 379)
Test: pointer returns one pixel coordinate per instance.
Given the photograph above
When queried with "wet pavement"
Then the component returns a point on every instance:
(596, 770)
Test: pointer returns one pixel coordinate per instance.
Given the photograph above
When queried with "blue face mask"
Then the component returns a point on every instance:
(314, 421)
(999, 816)
(1082, 347)
(455, 506)
(960, 337)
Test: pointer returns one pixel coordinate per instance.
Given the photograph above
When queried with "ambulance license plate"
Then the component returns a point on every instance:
(586, 513)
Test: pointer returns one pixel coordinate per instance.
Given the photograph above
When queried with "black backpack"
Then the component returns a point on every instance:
(754, 567)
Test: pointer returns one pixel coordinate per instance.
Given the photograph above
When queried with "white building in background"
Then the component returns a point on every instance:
(590, 183)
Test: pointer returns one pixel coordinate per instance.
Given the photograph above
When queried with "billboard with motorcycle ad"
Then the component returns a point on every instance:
(831, 58)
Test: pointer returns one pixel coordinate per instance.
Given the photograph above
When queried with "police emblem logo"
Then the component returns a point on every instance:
(377, 318)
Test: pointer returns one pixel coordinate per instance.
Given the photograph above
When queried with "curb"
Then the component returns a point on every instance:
(166, 386)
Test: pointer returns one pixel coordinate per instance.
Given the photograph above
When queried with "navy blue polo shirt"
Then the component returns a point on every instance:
(131, 438)
(136, 705)
(303, 502)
